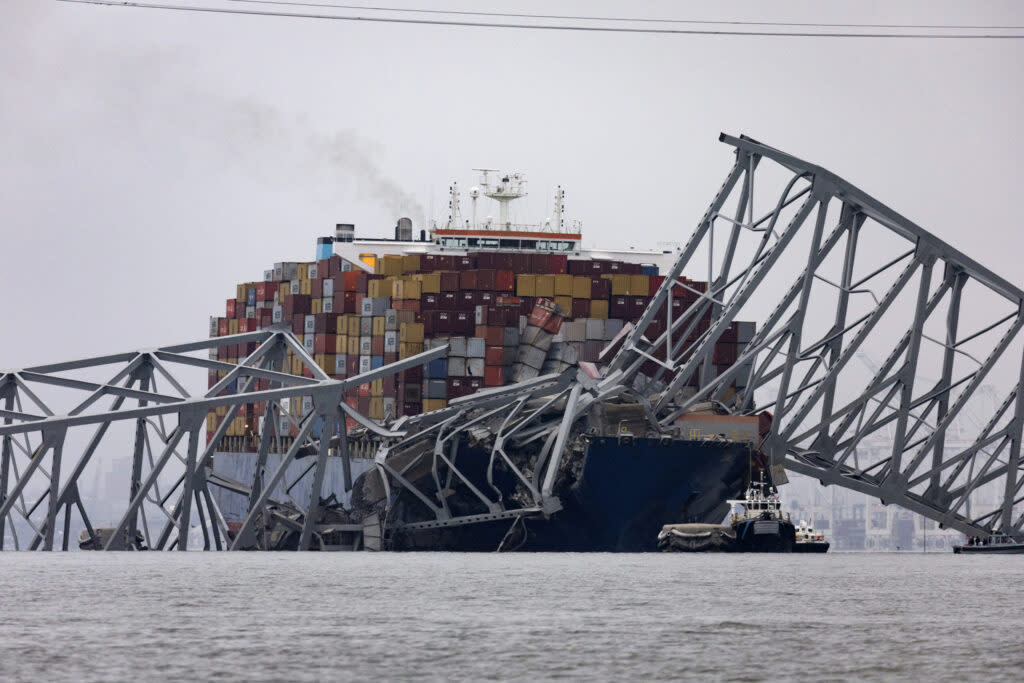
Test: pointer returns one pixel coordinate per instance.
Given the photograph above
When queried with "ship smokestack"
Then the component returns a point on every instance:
(344, 232)
(403, 231)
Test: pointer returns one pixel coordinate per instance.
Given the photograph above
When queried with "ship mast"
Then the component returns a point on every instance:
(510, 186)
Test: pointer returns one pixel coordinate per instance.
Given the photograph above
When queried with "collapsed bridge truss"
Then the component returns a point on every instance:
(825, 270)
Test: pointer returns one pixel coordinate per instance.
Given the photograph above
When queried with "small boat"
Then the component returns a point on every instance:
(998, 543)
(808, 540)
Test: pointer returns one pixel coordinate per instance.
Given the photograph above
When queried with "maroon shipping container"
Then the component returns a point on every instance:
(539, 264)
(465, 300)
(412, 408)
(351, 366)
(448, 301)
(464, 262)
(325, 343)
(505, 280)
(329, 267)
(446, 262)
(485, 279)
(591, 350)
(637, 304)
(578, 267)
(483, 298)
(581, 308)
(390, 357)
(463, 323)
(495, 335)
(413, 375)
(557, 264)
(298, 325)
(428, 263)
(326, 323)
(655, 283)
(468, 279)
(526, 304)
(437, 322)
(600, 288)
(266, 318)
(429, 302)
(619, 307)
(265, 291)
(725, 353)
(522, 263)
(296, 304)
(223, 327)
(377, 346)
(449, 281)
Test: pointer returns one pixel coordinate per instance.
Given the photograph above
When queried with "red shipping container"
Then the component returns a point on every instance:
(377, 346)
(243, 325)
(485, 279)
(505, 281)
(229, 308)
(265, 291)
(223, 327)
(298, 325)
(316, 288)
(557, 264)
(494, 376)
(468, 279)
(355, 281)
(494, 355)
(495, 335)
(655, 283)
(581, 308)
(325, 343)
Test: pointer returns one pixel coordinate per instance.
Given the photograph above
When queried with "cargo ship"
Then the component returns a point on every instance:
(477, 285)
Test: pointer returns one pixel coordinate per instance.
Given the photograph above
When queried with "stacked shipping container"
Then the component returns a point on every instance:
(505, 316)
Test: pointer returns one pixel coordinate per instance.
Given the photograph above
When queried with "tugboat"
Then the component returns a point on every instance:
(759, 525)
(808, 540)
(998, 543)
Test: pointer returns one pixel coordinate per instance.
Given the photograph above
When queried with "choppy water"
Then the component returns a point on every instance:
(363, 616)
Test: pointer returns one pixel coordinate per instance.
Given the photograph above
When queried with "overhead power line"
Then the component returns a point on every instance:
(638, 20)
(547, 27)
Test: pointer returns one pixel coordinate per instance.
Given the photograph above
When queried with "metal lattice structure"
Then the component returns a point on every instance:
(825, 272)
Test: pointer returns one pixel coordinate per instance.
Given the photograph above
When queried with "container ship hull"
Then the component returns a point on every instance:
(626, 491)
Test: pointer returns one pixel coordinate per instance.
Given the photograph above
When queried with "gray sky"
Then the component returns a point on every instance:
(150, 160)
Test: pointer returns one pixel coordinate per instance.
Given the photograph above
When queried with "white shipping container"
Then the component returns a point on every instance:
(475, 367)
(365, 364)
(214, 326)
(365, 346)
(307, 405)
(268, 275)
(328, 288)
(294, 287)
(456, 347)
(278, 314)
(391, 341)
(475, 347)
(532, 356)
(390, 319)
(612, 327)
(307, 342)
(309, 326)
(595, 329)
(314, 271)
(456, 366)
(327, 304)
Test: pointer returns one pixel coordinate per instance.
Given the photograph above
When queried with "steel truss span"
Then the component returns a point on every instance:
(826, 271)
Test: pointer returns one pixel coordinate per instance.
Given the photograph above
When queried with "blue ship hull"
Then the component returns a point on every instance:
(625, 493)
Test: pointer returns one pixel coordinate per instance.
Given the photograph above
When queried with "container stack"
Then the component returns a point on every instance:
(506, 317)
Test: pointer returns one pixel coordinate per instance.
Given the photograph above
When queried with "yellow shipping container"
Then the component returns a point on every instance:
(431, 404)
(581, 287)
(430, 283)
(233, 326)
(353, 324)
(620, 284)
(240, 292)
(410, 263)
(565, 304)
(409, 349)
(377, 387)
(379, 325)
(353, 346)
(526, 285)
(376, 408)
(326, 362)
(545, 286)
(410, 289)
(211, 422)
(639, 285)
(599, 309)
(341, 344)
(563, 285)
(411, 332)
(317, 305)
(306, 287)
(390, 264)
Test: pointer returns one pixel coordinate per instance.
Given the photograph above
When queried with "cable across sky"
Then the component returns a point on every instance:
(563, 27)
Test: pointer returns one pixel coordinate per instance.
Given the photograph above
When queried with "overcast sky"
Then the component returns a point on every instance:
(150, 160)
